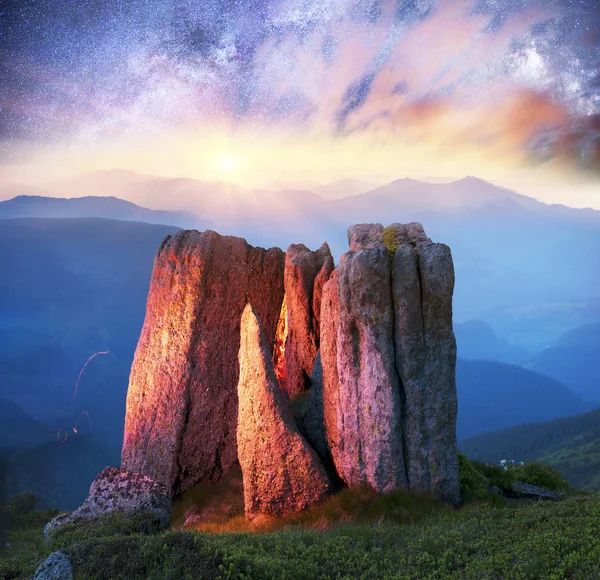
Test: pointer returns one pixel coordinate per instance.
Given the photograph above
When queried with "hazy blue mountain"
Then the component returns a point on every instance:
(538, 326)
(60, 474)
(104, 182)
(477, 340)
(70, 288)
(28, 206)
(574, 360)
(494, 395)
(18, 430)
(344, 188)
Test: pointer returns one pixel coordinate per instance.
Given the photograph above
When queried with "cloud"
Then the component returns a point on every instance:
(513, 78)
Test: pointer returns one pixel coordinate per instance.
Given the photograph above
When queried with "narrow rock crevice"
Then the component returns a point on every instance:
(403, 428)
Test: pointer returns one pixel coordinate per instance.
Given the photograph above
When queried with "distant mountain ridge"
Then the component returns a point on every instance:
(20, 431)
(477, 340)
(512, 253)
(573, 360)
(30, 206)
(494, 395)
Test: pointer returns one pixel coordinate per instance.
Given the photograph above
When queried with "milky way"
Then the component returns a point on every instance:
(86, 71)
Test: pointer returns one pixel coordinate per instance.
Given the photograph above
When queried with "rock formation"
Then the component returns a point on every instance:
(372, 340)
(391, 413)
(298, 332)
(281, 473)
(422, 288)
(118, 490)
(370, 406)
(180, 426)
(330, 313)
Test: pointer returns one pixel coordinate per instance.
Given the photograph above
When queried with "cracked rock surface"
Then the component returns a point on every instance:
(180, 426)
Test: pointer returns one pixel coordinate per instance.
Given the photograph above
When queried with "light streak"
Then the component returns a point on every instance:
(64, 435)
(81, 372)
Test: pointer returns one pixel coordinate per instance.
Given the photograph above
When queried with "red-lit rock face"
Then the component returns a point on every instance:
(282, 474)
(180, 426)
(382, 405)
(298, 339)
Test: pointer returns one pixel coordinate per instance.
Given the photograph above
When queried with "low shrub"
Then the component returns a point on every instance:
(23, 503)
(540, 475)
(473, 483)
(389, 239)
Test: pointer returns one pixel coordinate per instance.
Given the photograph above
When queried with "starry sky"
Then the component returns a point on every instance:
(261, 90)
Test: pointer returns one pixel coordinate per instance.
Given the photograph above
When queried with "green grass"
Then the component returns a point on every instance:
(354, 534)
(21, 536)
(532, 540)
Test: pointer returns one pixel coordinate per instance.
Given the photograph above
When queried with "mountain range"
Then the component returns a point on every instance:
(573, 360)
(522, 266)
(25, 206)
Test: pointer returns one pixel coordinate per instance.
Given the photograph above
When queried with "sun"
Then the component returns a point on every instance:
(228, 163)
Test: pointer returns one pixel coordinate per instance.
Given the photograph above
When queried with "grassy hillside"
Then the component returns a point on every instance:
(571, 445)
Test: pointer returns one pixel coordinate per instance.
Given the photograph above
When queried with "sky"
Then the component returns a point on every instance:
(256, 91)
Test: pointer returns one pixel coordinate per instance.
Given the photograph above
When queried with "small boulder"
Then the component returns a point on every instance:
(119, 490)
(528, 491)
(281, 473)
(56, 566)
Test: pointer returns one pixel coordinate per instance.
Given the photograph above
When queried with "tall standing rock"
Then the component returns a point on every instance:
(281, 473)
(298, 334)
(388, 358)
(422, 285)
(330, 386)
(370, 404)
(180, 426)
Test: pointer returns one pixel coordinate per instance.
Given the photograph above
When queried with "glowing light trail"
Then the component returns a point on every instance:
(81, 373)
(64, 436)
